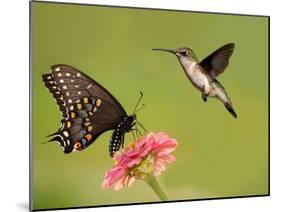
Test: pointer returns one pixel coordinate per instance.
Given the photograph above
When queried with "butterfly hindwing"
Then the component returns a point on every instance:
(88, 108)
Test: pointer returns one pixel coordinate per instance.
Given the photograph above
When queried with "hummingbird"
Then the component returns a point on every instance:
(203, 74)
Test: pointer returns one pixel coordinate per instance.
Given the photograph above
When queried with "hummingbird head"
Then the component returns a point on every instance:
(183, 53)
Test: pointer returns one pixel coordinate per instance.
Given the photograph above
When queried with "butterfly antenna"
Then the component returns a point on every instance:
(142, 107)
(141, 95)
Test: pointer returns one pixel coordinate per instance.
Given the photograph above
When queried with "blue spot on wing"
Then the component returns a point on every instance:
(93, 100)
(83, 141)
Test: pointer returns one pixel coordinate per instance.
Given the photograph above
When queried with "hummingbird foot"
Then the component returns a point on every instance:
(204, 94)
(204, 97)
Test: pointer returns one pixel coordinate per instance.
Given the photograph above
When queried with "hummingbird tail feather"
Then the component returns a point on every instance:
(230, 109)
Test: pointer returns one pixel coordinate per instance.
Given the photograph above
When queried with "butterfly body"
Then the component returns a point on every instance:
(118, 135)
(88, 110)
(203, 74)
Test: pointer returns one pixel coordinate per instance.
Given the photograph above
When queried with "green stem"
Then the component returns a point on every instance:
(152, 181)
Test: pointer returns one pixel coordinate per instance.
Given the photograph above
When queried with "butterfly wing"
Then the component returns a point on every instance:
(88, 108)
(217, 62)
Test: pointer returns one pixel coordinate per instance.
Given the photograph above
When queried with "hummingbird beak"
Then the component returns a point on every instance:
(165, 50)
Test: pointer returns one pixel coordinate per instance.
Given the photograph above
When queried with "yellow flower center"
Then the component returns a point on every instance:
(140, 171)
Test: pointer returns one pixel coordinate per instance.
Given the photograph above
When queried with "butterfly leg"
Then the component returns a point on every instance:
(138, 132)
(143, 128)
(133, 134)
(133, 129)
(122, 141)
(136, 129)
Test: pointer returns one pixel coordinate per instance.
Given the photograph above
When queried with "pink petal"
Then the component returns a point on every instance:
(166, 158)
(119, 184)
(131, 180)
(113, 176)
(160, 166)
(127, 178)
(165, 147)
(134, 162)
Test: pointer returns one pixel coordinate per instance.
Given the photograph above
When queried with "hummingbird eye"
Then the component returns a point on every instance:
(183, 53)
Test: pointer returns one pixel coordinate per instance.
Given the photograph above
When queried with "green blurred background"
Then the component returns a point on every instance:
(217, 155)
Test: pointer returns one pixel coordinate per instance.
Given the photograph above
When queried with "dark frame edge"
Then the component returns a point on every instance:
(30, 205)
(268, 71)
(156, 202)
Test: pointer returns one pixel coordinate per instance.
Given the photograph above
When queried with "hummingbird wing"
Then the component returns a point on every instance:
(217, 62)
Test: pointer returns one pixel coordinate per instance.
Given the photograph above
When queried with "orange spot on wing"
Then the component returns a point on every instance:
(78, 145)
(88, 137)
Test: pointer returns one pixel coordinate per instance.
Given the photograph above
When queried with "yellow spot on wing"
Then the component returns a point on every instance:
(79, 106)
(68, 124)
(89, 128)
(98, 102)
(72, 114)
(86, 100)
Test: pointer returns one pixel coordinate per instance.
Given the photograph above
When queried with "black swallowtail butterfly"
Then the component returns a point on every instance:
(88, 110)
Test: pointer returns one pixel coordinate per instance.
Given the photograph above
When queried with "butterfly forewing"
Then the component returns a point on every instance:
(70, 79)
(88, 108)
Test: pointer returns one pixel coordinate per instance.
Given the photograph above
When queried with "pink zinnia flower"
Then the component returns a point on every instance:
(148, 155)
